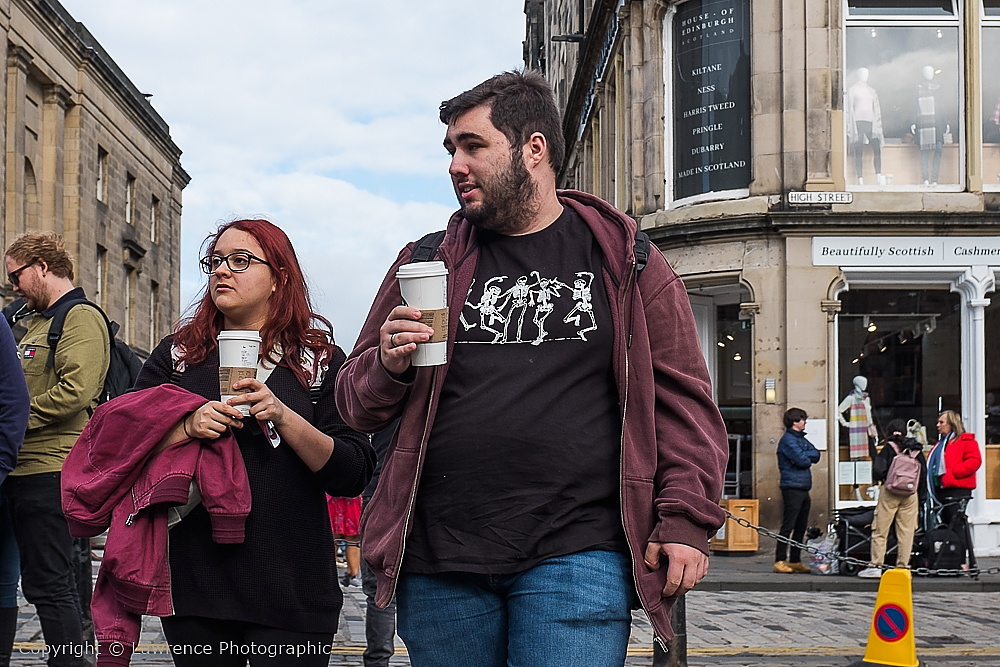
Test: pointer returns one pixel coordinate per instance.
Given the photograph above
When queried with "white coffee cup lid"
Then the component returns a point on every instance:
(239, 334)
(422, 270)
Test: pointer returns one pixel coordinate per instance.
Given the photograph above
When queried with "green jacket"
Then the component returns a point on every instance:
(62, 396)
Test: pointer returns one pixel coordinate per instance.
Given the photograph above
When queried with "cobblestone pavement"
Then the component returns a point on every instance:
(726, 628)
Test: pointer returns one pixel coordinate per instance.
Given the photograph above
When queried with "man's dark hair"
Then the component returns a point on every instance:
(521, 103)
(793, 415)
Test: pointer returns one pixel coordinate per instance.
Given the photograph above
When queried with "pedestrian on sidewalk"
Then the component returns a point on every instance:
(14, 410)
(277, 588)
(64, 387)
(380, 623)
(951, 476)
(795, 456)
(559, 459)
(903, 509)
(345, 519)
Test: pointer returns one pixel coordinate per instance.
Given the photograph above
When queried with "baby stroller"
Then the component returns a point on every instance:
(854, 528)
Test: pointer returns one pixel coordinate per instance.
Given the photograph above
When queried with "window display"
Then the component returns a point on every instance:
(991, 95)
(900, 358)
(864, 125)
(902, 95)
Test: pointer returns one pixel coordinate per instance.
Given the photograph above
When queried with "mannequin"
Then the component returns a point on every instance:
(864, 124)
(928, 129)
(860, 427)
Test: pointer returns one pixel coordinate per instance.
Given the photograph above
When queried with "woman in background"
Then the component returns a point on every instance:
(951, 470)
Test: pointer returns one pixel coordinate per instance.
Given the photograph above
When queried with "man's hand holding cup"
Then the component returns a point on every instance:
(399, 337)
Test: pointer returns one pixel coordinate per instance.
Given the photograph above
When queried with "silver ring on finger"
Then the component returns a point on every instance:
(392, 340)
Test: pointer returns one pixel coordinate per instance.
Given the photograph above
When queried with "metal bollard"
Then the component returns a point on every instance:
(676, 653)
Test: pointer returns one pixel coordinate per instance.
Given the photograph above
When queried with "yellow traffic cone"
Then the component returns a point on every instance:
(891, 640)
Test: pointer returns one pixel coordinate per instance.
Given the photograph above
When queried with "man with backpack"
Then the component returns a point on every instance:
(63, 393)
(543, 475)
(901, 470)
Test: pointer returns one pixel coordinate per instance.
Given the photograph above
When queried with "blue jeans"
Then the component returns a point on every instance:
(568, 610)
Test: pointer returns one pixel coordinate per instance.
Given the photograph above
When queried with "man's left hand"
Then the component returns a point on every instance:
(686, 566)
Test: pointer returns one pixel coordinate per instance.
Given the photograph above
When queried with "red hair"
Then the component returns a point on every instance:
(291, 323)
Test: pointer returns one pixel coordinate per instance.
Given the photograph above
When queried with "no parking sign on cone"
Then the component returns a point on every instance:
(891, 640)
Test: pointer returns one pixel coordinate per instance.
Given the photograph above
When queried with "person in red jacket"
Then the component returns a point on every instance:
(951, 469)
(555, 465)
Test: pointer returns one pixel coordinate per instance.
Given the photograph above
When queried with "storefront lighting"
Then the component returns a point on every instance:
(721, 344)
(737, 357)
(730, 337)
(855, 361)
(883, 348)
(872, 327)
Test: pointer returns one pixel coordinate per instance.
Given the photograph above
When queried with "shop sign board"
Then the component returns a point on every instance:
(711, 97)
(906, 251)
(823, 197)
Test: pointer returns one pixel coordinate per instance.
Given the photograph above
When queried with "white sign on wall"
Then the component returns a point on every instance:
(905, 251)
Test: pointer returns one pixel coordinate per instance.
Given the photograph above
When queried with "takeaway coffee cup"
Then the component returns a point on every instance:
(425, 287)
(238, 354)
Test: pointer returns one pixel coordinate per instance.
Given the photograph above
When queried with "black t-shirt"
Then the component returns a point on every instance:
(523, 461)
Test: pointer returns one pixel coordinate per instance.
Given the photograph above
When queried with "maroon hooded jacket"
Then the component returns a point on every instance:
(674, 444)
(114, 480)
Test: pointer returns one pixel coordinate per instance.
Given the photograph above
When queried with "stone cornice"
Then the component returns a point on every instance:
(824, 223)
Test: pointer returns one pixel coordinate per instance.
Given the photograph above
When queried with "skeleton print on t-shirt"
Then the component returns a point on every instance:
(531, 308)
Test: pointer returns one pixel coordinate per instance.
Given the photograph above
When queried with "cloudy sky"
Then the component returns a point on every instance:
(319, 114)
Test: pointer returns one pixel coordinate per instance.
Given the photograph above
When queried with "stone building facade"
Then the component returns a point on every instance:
(825, 177)
(88, 157)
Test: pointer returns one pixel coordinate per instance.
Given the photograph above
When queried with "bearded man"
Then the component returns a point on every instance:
(539, 480)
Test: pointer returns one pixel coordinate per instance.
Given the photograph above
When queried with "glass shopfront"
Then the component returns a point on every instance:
(899, 357)
(991, 95)
(903, 95)
(726, 337)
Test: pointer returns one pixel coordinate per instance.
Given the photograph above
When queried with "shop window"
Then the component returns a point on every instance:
(708, 97)
(991, 440)
(903, 95)
(733, 385)
(909, 8)
(991, 94)
(905, 344)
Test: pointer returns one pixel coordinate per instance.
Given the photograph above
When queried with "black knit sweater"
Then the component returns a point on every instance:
(285, 574)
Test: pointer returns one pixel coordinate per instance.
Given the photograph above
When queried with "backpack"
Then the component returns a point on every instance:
(903, 477)
(426, 247)
(123, 366)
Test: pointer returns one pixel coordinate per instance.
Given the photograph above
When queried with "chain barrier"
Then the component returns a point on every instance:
(974, 572)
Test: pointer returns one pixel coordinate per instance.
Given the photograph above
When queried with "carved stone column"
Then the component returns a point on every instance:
(54, 108)
(18, 60)
(973, 286)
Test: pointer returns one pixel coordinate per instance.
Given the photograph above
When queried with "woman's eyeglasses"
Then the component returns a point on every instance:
(238, 262)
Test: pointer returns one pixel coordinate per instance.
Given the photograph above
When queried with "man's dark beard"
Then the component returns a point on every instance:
(509, 201)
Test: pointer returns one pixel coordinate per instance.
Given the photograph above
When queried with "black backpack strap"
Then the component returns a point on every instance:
(641, 250)
(56, 326)
(425, 249)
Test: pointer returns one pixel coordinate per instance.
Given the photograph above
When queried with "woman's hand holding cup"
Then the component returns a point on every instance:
(264, 405)
(211, 420)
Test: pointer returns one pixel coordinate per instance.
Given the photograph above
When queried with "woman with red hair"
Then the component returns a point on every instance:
(279, 587)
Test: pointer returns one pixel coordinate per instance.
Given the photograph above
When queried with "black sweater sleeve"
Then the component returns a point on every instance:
(158, 367)
(352, 462)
